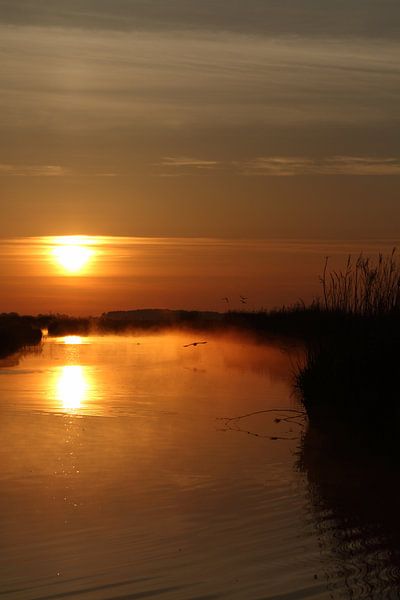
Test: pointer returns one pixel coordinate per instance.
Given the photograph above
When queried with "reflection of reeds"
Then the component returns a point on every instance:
(351, 362)
(353, 491)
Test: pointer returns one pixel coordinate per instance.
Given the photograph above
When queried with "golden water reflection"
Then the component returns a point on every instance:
(72, 387)
(72, 340)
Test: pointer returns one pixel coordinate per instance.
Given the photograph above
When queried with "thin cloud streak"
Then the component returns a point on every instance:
(279, 166)
(275, 166)
(116, 248)
(188, 162)
(32, 171)
(9, 170)
(287, 166)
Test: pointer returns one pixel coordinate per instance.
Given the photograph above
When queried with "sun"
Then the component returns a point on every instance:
(72, 257)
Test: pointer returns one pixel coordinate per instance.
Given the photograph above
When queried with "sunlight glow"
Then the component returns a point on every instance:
(72, 387)
(72, 340)
(72, 257)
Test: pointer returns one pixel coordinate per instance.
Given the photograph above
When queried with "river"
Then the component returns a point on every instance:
(129, 470)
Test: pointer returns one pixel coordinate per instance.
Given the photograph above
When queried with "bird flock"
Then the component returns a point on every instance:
(243, 300)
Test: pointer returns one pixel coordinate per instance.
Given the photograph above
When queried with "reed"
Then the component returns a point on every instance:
(351, 363)
(365, 287)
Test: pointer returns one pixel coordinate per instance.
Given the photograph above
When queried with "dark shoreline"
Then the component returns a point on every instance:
(298, 322)
(18, 332)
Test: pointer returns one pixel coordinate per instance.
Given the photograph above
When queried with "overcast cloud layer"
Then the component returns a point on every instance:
(371, 18)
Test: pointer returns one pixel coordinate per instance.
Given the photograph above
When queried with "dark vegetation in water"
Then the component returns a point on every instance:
(351, 367)
(17, 333)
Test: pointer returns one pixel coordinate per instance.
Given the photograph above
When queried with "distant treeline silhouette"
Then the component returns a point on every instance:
(298, 322)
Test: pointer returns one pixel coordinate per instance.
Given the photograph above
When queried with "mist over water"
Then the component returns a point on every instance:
(123, 475)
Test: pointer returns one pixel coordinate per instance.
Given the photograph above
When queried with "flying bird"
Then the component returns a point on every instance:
(194, 344)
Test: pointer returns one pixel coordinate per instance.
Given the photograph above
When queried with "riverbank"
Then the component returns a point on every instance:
(17, 333)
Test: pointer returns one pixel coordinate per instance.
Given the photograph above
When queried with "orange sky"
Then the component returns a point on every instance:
(195, 273)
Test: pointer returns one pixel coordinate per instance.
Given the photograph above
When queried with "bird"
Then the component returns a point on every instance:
(243, 298)
(194, 344)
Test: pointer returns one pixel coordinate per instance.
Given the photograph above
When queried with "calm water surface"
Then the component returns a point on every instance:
(122, 478)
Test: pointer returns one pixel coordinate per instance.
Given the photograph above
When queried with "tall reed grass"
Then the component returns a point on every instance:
(351, 363)
(365, 287)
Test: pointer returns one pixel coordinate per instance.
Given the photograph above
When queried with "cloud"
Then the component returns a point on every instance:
(32, 170)
(281, 166)
(368, 18)
(160, 82)
(272, 166)
(285, 166)
(185, 162)
(8, 170)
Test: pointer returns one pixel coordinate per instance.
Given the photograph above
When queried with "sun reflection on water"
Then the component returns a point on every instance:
(72, 340)
(72, 387)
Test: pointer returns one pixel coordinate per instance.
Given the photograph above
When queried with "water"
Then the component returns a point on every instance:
(122, 477)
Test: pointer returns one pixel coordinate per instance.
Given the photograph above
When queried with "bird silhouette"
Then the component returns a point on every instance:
(194, 344)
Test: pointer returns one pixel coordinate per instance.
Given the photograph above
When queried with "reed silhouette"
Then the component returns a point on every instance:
(351, 363)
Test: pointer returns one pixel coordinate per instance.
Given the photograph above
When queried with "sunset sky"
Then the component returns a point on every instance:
(235, 123)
